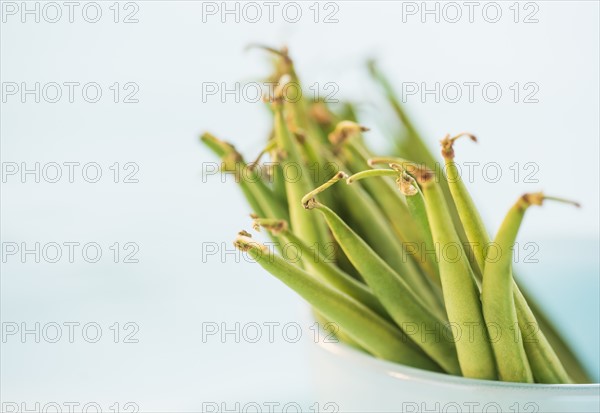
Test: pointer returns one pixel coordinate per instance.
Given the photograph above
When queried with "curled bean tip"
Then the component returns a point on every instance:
(407, 184)
(244, 242)
(310, 203)
(345, 130)
(448, 143)
(538, 198)
(308, 197)
(274, 226)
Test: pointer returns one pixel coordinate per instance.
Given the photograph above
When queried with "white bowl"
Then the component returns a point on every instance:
(353, 381)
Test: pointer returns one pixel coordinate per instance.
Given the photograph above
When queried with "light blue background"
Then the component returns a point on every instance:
(172, 212)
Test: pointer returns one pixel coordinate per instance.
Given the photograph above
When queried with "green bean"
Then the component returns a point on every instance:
(461, 294)
(330, 161)
(278, 178)
(275, 172)
(545, 364)
(262, 200)
(414, 146)
(310, 230)
(285, 67)
(347, 136)
(416, 207)
(431, 285)
(569, 360)
(433, 313)
(498, 304)
(544, 361)
(499, 307)
(469, 217)
(410, 189)
(323, 268)
(369, 330)
(310, 195)
(380, 237)
(296, 107)
(371, 173)
(401, 302)
(334, 331)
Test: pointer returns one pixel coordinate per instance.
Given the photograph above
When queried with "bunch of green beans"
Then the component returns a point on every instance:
(359, 231)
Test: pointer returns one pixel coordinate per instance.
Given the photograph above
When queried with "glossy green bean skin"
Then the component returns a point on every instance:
(331, 274)
(545, 364)
(383, 192)
(278, 179)
(335, 332)
(413, 146)
(308, 229)
(555, 345)
(498, 296)
(380, 236)
(262, 199)
(435, 313)
(499, 306)
(461, 294)
(544, 361)
(370, 331)
(416, 207)
(397, 297)
(469, 216)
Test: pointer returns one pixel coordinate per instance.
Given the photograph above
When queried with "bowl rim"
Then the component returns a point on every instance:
(404, 372)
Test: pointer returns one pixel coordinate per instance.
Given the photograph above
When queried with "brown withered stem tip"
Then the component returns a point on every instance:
(448, 144)
(421, 173)
(310, 204)
(229, 160)
(228, 153)
(406, 184)
(344, 131)
(300, 136)
(244, 242)
(320, 113)
(538, 198)
(274, 226)
(278, 93)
